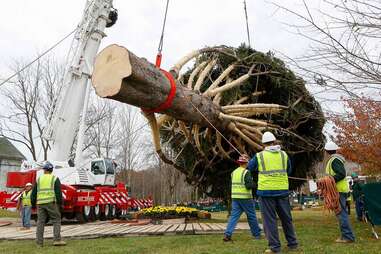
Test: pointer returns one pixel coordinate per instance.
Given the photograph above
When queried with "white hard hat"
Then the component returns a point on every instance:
(268, 137)
(28, 184)
(331, 146)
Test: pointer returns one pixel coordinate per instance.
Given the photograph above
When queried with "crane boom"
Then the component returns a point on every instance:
(72, 99)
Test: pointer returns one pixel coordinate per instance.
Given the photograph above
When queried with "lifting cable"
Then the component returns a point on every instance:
(38, 57)
(161, 42)
(247, 23)
(170, 97)
(235, 148)
(172, 92)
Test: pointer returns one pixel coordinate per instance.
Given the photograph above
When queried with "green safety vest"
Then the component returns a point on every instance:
(26, 201)
(272, 170)
(342, 185)
(239, 190)
(45, 189)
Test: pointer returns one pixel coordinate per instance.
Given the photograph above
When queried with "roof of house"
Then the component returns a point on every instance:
(9, 151)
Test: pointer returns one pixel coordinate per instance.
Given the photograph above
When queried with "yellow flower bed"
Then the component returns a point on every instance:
(169, 212)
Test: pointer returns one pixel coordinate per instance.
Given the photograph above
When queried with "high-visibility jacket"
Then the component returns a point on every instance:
(45, 189)
(26, 201)
(342, 185)
(272, 170)
(238, 189)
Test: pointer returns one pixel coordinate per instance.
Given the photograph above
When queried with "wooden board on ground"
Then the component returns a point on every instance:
(172, 229)
(96, 230)
(163, 229)
(180, 229)
(197, 228)
(189, 229)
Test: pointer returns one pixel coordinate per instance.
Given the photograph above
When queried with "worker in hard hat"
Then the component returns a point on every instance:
(356, 193)
(242, 200)
(335, 168)
(47, 196)
(25, 206)
(271, 167)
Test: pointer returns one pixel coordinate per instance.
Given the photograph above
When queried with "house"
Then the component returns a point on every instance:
(10, 160)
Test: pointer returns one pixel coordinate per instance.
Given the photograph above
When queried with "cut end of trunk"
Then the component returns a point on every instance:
(111, 66)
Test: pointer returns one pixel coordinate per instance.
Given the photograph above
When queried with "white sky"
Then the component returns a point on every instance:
(28, 27)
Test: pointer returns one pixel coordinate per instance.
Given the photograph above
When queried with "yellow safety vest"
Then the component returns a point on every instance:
(238, 189)
(45, 189)
(342, 185)
(272, 170)
(26, 201)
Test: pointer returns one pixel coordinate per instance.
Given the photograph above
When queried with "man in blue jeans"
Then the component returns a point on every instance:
(271, 167)
(242, 200)
(335, 168)
(25, 205)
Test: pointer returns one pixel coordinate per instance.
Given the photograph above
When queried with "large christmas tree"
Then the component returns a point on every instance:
(220, 109)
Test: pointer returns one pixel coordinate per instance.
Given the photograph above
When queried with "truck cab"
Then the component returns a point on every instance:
(103, 171)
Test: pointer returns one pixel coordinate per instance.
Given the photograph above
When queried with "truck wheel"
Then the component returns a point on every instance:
(69, 215)
(80, 218)
(112, 212)
(84, 214)
(106, 213)
(118, 213)
(96, 212)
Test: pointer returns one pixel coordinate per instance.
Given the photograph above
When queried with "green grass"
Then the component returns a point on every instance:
(316, 233)
(8, 214)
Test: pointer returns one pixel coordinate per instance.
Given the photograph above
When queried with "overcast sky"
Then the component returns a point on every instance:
(28, 27)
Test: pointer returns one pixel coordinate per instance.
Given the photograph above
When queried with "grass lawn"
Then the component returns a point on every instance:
(7, 213)
(316, 233)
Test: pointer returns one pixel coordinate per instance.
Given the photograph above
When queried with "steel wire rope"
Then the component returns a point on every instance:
(38, 57)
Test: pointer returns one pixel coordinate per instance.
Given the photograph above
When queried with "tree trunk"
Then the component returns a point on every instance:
(122, 76)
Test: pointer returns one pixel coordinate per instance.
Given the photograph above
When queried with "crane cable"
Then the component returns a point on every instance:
(168, 102)
(38, 57)
(226, 139)
(247, 23)
(161, 42)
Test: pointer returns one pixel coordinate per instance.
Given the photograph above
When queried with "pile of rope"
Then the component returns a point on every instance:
(327, 186)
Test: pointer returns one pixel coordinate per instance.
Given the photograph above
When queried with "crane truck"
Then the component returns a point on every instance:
(89, 186)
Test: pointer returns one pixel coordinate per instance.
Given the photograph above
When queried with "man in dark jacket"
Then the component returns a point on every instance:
(271, 167)
(242, 200)
(47, 196)
(335, 168)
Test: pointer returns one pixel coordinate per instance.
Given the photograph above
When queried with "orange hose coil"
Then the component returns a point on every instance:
(327, 186)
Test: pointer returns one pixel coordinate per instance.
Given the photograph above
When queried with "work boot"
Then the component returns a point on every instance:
(227, 238)
(59, 243)
(258, 237)
(270, 251)
(341, 240)
(292, 248)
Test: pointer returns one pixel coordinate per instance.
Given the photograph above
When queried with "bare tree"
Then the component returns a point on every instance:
(344, 52)
(102, 124)
(129, 146)
(28, 101)
(172, 180)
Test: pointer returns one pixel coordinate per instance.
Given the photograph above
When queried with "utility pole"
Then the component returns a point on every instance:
(247, 23)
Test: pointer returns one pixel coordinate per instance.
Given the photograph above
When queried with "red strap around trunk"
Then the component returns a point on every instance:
(168, 102)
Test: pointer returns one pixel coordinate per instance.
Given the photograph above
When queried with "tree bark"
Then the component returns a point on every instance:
(120, 75)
